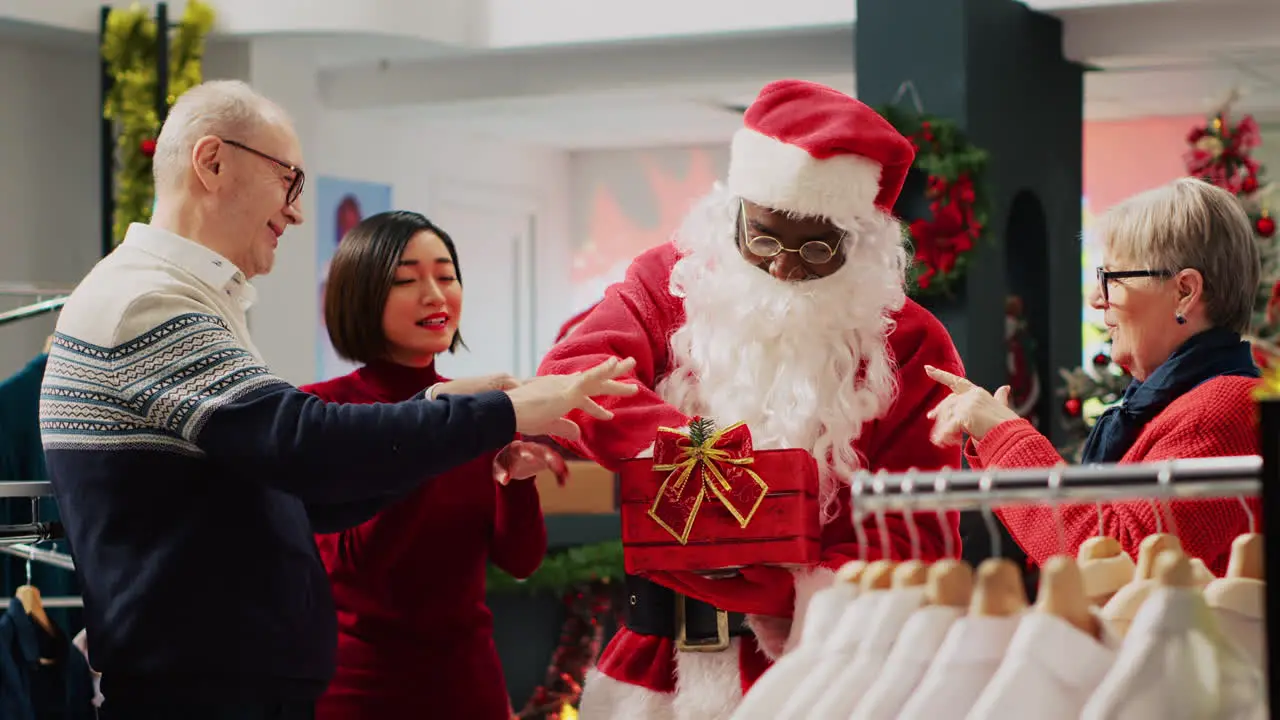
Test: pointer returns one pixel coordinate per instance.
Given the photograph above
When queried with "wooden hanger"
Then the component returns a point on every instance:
(949, 584)
(1123, 606)
(911, 573)
(29, 596)
(878, 575)
(851, 572)
(1247, 559)
(48, 344)
(1149, 549)
(998, 589)
(1104, 567)
(1173, 569)
(1062, 594)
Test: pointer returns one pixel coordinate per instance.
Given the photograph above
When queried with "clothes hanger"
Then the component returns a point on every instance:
(1104, 565)
(847, 634)
(1123, 606)
(949, 581)
(1061, 591)
(1239, 598)
(906, 595)
(997, 589)
(48, 344)
(33, 605)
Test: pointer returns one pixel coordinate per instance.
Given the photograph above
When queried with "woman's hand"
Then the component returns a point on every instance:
(471, 386)
(522, 460)
(968, 409)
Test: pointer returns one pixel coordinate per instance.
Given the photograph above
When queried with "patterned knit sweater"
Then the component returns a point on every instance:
(190, 479)
(1216, 419)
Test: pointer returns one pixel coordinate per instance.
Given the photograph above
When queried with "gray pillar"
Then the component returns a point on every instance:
(996, 68)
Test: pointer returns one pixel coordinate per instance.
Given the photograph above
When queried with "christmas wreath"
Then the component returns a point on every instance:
(958, 202)
(129, 44)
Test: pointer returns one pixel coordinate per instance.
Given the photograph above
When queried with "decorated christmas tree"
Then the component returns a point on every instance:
(1221, 153)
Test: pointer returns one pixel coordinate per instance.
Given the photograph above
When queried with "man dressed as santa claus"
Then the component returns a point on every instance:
(779, 303)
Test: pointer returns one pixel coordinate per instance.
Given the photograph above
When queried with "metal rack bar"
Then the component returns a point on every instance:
(54, 601)
(29, 533)
(25, 488)
(32, 310)
(968, 490)
(47, 557)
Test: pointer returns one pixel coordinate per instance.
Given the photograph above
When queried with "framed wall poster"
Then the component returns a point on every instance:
(340, 206)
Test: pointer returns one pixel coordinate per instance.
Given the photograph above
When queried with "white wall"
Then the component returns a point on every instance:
(424, 166)
(49, 189)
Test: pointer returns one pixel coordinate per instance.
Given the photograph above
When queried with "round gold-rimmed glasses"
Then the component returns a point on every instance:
(814, 252)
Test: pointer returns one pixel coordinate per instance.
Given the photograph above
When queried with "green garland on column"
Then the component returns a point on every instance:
(129, 47)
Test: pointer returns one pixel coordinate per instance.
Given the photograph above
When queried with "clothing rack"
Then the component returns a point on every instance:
(976, 490)
(1178, 479)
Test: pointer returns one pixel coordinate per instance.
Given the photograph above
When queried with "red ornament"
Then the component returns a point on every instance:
(1072, 407)
(147, 147)
(1101, 360)
(1265, 226)
(1249, 184)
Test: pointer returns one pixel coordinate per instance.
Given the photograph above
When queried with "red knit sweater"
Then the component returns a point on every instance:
(414, 634)
(1216, 419)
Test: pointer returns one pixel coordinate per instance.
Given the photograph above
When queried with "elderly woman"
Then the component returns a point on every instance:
(1177, 287)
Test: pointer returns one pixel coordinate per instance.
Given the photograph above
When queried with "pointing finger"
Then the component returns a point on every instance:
(955, 382)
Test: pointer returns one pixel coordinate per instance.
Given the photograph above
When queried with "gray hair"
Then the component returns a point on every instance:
(225, 108)
(1190, 223)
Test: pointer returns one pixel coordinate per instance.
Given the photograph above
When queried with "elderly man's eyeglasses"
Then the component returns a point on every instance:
(1106, 276)
(814, 252)
(295, 183)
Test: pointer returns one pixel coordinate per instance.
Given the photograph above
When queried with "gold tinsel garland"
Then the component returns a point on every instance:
(129, 49)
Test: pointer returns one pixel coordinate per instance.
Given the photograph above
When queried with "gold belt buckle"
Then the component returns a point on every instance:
(718, 644)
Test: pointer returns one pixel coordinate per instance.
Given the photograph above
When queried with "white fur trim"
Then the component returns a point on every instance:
(708, 685)
(604, 698)
(785, 177)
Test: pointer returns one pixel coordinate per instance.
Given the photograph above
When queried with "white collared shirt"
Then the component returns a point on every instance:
(914, 650)
(1174, 664)
(1049, 671)
(856, 678)
(221, 282)
(965, 663)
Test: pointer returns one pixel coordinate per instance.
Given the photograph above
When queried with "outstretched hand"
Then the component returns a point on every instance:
(521, 460)
(968, 409)
(542, 403)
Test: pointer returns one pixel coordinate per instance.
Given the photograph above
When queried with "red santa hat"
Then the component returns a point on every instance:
(816, 152)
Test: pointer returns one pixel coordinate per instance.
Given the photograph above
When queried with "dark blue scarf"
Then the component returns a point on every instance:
(1207, 355)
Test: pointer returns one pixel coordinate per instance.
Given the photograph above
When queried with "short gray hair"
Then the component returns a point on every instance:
(226, 108)
(1190, 223)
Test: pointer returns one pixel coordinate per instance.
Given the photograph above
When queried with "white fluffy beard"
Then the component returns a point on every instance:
(803, 364)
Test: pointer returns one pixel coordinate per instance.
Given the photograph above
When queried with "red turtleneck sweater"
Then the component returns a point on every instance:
(414, 634)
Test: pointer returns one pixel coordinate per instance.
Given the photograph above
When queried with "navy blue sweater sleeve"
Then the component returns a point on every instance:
(211, 394)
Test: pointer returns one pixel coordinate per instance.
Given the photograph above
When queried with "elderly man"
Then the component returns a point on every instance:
(780, 304)
(189, 478)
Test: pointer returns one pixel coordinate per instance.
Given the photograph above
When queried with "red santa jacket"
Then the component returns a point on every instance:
(1216, 419)
(636, 319)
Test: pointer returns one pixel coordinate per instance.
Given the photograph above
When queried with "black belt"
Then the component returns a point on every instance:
(694, 625)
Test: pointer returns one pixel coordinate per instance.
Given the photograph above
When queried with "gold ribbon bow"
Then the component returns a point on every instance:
(715, 464)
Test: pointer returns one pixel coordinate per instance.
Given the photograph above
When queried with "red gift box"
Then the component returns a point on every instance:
(709, 501)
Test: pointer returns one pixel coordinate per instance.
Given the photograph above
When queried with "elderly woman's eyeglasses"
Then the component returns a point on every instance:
(1106, 276)
(295, 183)
(814, 252)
